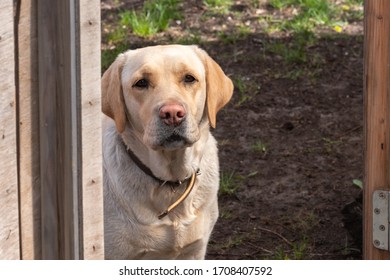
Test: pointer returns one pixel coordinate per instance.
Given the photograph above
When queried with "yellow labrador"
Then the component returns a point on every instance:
(161, 172)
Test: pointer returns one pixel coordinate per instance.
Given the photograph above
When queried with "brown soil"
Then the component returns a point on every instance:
(295, 197)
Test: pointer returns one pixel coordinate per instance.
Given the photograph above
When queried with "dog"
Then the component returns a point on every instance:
(160, 161)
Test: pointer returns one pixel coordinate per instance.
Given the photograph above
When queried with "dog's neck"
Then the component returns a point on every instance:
(167, 165)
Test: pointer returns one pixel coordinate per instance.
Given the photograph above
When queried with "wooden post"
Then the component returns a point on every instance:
(90, 129)
(9, 220)
(51, 193)
(70, 129)
(57, 187)
(377, 113)
(28, 124)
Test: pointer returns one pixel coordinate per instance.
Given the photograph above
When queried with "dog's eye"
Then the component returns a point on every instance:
(189, 79)
(143, 83)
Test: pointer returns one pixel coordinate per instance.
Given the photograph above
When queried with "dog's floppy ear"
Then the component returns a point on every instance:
(112, 97)
(219, 87)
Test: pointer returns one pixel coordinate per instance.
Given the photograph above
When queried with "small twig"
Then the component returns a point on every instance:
(350, 131)
(277, 234)
(227, 255)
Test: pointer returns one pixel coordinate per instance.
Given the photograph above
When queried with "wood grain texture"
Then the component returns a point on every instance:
(28, 125)
(377, 113)
(50, 130)
(70, 129)
(92, 183)
(56, 146)
(9, 221)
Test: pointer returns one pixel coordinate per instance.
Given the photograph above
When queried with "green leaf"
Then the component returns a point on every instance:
(358, 183)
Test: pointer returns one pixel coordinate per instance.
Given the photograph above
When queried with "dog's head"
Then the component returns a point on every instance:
(163, 93)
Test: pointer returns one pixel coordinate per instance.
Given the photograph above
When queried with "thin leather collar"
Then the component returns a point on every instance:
(149, 172)
(191, 182)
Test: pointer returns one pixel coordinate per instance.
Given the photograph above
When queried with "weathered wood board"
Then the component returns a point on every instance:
(28, 128)
(92, 190)
(9, 206)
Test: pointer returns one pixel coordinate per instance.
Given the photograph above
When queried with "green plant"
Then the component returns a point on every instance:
(221, 6)
(294, 51)
(246, 89)
(312, 15)
(109, 55)
(232, 37)
(233, 241)
(330, 144)
(225, 214)
(117, 36)
(298, 251)
(358, 183)
(240, 84)
(278, 4)
(154, 17)
(227, 184)
(353, 10)
(192, 38)
(280, 254)
(259, 147)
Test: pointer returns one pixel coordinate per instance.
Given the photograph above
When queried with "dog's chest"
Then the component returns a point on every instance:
(171, 239)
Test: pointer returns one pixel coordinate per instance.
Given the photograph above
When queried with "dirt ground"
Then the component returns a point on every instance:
(290, 140)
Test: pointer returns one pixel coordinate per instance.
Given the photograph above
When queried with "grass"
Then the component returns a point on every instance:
(259, 147)
(191, 38)
(298, 251)
(154, 17)
(233, 241)
(241, 85)
(108, 56)
(303, 222)
(246, 89)
(303, 21)
(225, 214)
(218, 6)
(239, 33)
(300, 25)
(228, 184)
(310, 14)
(330, 144)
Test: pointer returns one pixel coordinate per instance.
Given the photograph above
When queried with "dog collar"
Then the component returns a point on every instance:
(191, 182)
(187, 191)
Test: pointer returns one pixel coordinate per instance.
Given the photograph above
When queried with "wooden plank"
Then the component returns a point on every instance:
(92, 188)
(57, 146)
(28, 115)
(9, 222)
(377, 113)
(70, 129)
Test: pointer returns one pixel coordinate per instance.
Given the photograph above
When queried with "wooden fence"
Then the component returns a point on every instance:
(51, 200)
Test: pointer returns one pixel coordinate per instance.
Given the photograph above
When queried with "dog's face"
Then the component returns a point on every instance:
(164, 93)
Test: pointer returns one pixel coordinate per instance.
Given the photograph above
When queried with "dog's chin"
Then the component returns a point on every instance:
(173, 142)
(167, 138)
